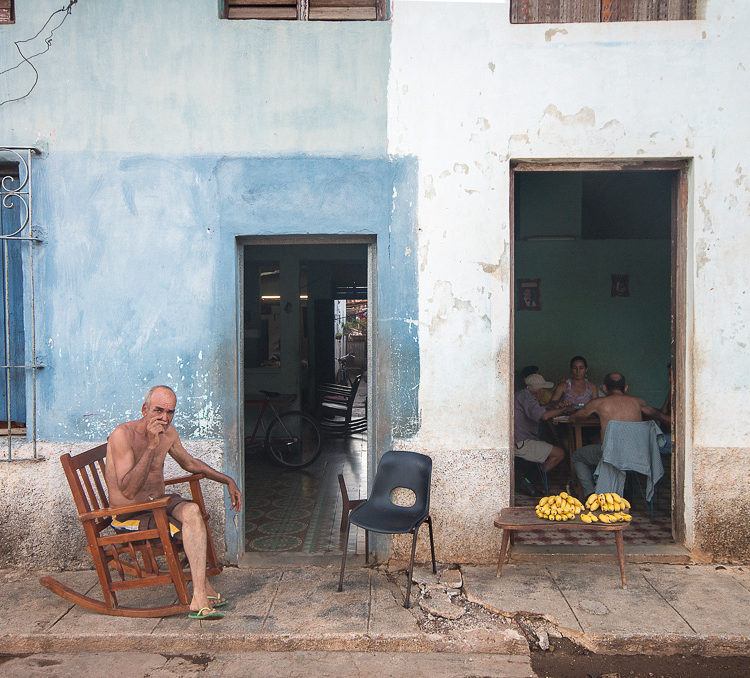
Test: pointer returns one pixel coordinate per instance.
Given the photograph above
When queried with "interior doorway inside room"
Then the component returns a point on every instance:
(304, 329)
(594, 293)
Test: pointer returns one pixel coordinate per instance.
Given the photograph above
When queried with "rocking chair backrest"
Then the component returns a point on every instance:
(85, 474)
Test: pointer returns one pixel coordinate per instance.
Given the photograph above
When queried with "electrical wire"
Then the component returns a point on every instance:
(48, 41)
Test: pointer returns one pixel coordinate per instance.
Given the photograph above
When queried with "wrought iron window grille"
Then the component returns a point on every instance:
(19, 367)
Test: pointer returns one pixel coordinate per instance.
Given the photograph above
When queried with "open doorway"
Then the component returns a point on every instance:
(291, 339)
(598, 253)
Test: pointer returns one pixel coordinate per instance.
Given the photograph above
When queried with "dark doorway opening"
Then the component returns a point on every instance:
(597, 252)
(291, 339)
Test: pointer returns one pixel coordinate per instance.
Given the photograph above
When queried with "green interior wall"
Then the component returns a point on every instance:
(578, 314)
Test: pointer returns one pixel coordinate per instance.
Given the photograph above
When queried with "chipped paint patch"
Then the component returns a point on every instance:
(429, 190)
(585, 116)
(552, 32)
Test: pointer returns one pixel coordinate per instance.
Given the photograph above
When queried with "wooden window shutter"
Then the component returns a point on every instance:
(260, 9)
(648, 10)
(581, 11)
(7, 14)
(306, 10)
(343, 10)
(554, 11)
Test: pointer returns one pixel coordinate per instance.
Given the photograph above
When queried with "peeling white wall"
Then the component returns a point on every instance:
(468, 92)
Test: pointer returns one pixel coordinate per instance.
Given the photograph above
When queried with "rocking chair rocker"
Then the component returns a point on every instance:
(134, 555)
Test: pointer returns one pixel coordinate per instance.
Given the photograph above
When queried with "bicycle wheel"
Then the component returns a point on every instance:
(293, 439)
(342, 378)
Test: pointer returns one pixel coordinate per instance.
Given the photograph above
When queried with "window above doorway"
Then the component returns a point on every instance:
(597, 11)
(305, 10)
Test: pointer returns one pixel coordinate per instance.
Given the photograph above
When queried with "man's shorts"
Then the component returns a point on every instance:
(144, 520)
(533, 450)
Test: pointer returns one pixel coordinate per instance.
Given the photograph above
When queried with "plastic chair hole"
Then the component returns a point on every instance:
(403, 496)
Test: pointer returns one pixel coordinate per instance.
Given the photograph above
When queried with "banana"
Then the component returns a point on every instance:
(594, 505)
(609, 498)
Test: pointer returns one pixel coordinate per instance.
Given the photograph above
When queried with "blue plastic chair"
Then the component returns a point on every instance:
(397, 468)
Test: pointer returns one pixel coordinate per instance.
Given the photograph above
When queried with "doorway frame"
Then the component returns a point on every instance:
(679, 315)
(243, 241)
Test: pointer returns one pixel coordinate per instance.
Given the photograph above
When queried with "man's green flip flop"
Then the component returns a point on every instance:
(206, 613)
(219, 602)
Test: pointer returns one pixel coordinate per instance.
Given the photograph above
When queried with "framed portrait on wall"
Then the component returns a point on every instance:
(620, 285)
(529, 298)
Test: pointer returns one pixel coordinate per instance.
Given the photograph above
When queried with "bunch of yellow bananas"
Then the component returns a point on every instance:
(558, 507)
(611, 501)
(615, 517)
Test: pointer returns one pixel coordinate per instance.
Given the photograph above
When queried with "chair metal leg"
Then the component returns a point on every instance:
(432, 544)
(543, 474)
(343, 556)
(411, 566)
(367, 547)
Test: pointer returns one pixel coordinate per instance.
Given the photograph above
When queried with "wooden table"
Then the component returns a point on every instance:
(525, 518)
(575, 428)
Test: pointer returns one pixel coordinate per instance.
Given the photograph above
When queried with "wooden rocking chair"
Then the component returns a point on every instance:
(134, 555)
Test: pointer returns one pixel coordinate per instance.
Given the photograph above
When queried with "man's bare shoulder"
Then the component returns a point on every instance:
(123, 435)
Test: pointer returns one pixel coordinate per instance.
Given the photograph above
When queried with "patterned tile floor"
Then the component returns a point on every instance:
(288, 510)
(642, 530)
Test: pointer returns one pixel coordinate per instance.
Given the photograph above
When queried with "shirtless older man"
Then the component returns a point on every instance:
(134, 472)
(615, 406)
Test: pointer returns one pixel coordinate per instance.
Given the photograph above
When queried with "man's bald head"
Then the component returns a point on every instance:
(154, 389)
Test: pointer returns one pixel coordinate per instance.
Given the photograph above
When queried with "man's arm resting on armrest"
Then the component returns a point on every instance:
(193, 465)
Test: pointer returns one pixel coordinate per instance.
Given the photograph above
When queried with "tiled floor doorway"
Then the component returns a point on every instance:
(294, 332)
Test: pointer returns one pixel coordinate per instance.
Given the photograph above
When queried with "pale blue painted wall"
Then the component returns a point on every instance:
(166, 133)
(171, 77)
(138, 273)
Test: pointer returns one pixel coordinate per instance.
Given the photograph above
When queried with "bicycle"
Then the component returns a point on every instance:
(292, 438)
(342, 376)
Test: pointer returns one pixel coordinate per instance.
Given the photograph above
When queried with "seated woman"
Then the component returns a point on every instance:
(576, 391)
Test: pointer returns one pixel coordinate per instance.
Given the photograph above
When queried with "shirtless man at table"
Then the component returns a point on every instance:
(615, 406)
(134, 472)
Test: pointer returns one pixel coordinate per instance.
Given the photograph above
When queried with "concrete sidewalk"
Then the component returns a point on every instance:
(666, 609)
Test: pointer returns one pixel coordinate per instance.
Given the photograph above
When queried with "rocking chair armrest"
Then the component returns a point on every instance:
(185, 479)
(125, 508)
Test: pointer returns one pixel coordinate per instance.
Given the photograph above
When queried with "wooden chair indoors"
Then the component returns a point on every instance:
(335, 406)
(132, 556)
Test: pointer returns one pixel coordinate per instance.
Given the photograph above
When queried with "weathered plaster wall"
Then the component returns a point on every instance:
(138, 282)
(722, 486)
(166, 134)
(469, 92)
(170, 77)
